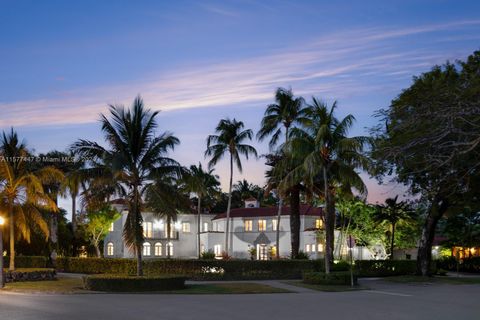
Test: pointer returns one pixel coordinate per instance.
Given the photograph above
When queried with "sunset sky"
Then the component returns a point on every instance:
(63, 62)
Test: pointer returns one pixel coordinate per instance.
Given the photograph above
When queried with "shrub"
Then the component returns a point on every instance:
(208, 255)
(302, 256)
(117, 283)
(27, 261)
(333, 278)
(466, 265)
(30, 275)
(385, 268)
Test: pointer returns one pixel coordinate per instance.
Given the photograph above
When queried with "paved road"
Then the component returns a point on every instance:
(384, 301)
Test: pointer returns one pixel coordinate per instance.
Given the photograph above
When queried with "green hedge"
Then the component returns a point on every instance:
(27, 261)
(195, 269)
(333, 278)
(118, 283)
(385, 268)
(466, 265)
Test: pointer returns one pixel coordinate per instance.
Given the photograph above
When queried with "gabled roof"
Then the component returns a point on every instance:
(305, 210)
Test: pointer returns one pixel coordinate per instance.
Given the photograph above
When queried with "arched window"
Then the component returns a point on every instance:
(109, 249)
(158, 249)
(146, 249)
(170, 249)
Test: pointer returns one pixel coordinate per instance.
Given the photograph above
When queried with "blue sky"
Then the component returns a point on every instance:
(62, 62)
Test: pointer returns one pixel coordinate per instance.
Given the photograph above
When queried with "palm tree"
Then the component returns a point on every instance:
(74, 179)
(330, 159)
(21, 191)
(165, 198)
(287, 112)
(229, 139)
(202, 183)
(393, 212)
(135, 154)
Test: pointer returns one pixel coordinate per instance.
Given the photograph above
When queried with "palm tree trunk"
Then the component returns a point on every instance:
(11, 223)
(227, 222)
(279, 214)
(199, 222)
(329, 224)
(138, 216)
(169, 230)
(295, 220)
(74, 213)
(392, 243)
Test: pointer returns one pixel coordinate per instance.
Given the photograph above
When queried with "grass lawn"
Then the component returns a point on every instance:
(70, 285)
(437, 279)
(325, 288)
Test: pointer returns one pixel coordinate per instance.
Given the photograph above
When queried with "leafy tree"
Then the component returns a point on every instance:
(463, 229)
(98, 225)
(429, 139)
(202, 183)
(229, 139)
(135, 154)
(21, 191)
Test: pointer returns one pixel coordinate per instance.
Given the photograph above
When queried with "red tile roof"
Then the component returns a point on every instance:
(305, 210)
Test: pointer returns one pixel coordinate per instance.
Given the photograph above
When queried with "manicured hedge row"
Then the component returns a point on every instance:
(333, 278)
(27, 261)
(118, 283)
(195, 269)
(30, 275)
(385, 268)
(466, 265)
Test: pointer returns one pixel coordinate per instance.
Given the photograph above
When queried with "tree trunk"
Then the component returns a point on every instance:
(138, 237)
(295, 220)
(11, 224)
(74, 213)
(279, 214)
(199, 222)
(227, 221)
(392, 243)
(424, 256)
(169, 230)
(329, 223)
(97, 251)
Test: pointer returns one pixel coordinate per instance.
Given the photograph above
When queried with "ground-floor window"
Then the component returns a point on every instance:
(170, 249)
(158, 249)
(262, 252)
(110, 249)
(273, 251)
(217, 249)
(146, 249)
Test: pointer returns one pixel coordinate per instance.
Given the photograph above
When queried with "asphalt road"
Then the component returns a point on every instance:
(385, 301)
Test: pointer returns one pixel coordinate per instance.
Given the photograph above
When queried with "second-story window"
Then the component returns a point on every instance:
(274, 224)
(148, 229)
(111, 227)
(318, 223)
(248, 225)
(185, 226)
(262, 225)
(205, 227)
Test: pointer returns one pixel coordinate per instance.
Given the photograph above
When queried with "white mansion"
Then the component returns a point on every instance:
(251, 227)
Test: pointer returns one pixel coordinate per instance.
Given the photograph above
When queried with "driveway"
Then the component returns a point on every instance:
(385, 301)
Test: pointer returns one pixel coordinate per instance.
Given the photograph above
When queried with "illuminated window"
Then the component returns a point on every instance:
(205, 226)
(262, 252)
(110, 249)
(186, 226)
(274, 224)
(320, 247)
(307, 248)
(273, 251)
(248, 225)
(172, 231)
(318, 223)
(147, 229)
(111, 227)
(146, 249)
(158, 249)
(217, 249)
(170, 249)
(262, 225)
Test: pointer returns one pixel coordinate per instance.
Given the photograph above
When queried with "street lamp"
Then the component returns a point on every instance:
(2, 278)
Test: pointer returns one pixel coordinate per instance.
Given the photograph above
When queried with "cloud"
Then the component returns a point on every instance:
(337, 65)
